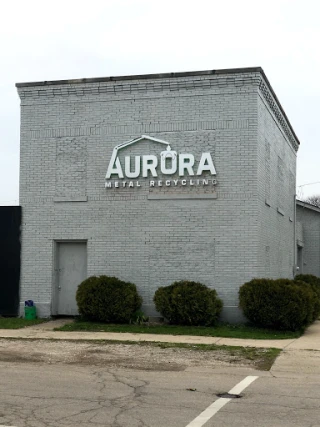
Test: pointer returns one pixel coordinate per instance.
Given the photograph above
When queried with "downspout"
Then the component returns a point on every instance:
(295, 236)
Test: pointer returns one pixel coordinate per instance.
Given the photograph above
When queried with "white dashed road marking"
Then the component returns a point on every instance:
(218, 404)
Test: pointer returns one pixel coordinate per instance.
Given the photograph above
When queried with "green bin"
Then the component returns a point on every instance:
(30, 313)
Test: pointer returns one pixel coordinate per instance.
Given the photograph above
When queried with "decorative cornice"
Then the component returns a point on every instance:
(168, 82)
(137, 87)
(278, 112)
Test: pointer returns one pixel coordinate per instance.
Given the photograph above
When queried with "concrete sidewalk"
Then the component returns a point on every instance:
(309, 341)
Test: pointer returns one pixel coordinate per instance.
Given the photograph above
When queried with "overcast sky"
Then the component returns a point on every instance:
(50, 40)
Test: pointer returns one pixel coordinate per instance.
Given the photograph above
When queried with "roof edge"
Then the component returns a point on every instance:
(143, 76)
(307, 205)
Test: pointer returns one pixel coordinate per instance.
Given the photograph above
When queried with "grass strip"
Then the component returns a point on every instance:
(221, 331)
(18, 323)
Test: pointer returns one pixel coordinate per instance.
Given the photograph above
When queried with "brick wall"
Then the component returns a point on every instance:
(276, 195)
(68, 132)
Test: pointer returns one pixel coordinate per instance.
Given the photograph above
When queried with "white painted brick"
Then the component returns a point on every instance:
(66, 143)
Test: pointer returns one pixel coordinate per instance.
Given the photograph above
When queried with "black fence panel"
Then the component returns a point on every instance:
(10, 221)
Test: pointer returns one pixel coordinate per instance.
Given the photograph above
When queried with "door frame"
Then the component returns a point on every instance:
(54, 286)
(300, 253)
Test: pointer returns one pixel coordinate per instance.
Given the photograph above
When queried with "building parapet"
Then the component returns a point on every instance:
(169, 82)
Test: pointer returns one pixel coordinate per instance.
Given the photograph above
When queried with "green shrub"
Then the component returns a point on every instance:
(188, 303)
(163, 302)
(138, 318)
(314, 282)
(107, 299)
(281, 304)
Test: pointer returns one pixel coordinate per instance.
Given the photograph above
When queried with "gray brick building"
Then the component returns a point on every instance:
(308, 238)
(153, 179)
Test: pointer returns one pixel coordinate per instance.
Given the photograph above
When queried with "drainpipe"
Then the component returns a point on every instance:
(294, 236)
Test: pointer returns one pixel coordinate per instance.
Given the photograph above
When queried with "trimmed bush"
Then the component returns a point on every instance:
(281, 304)
(314, 282)
(107, 299)
(188, 303)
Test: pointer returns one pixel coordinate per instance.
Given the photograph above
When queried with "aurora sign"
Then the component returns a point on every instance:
(148, 166)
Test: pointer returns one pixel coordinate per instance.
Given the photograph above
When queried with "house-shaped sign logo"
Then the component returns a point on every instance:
(167, 163)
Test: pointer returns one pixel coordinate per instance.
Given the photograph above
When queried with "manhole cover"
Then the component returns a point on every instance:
(229, 396)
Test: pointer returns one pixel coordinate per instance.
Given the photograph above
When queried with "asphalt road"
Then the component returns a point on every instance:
(68, 392)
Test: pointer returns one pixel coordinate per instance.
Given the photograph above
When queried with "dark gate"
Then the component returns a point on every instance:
(10, 220)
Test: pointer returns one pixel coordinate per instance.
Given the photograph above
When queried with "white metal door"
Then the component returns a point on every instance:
(71, 271)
